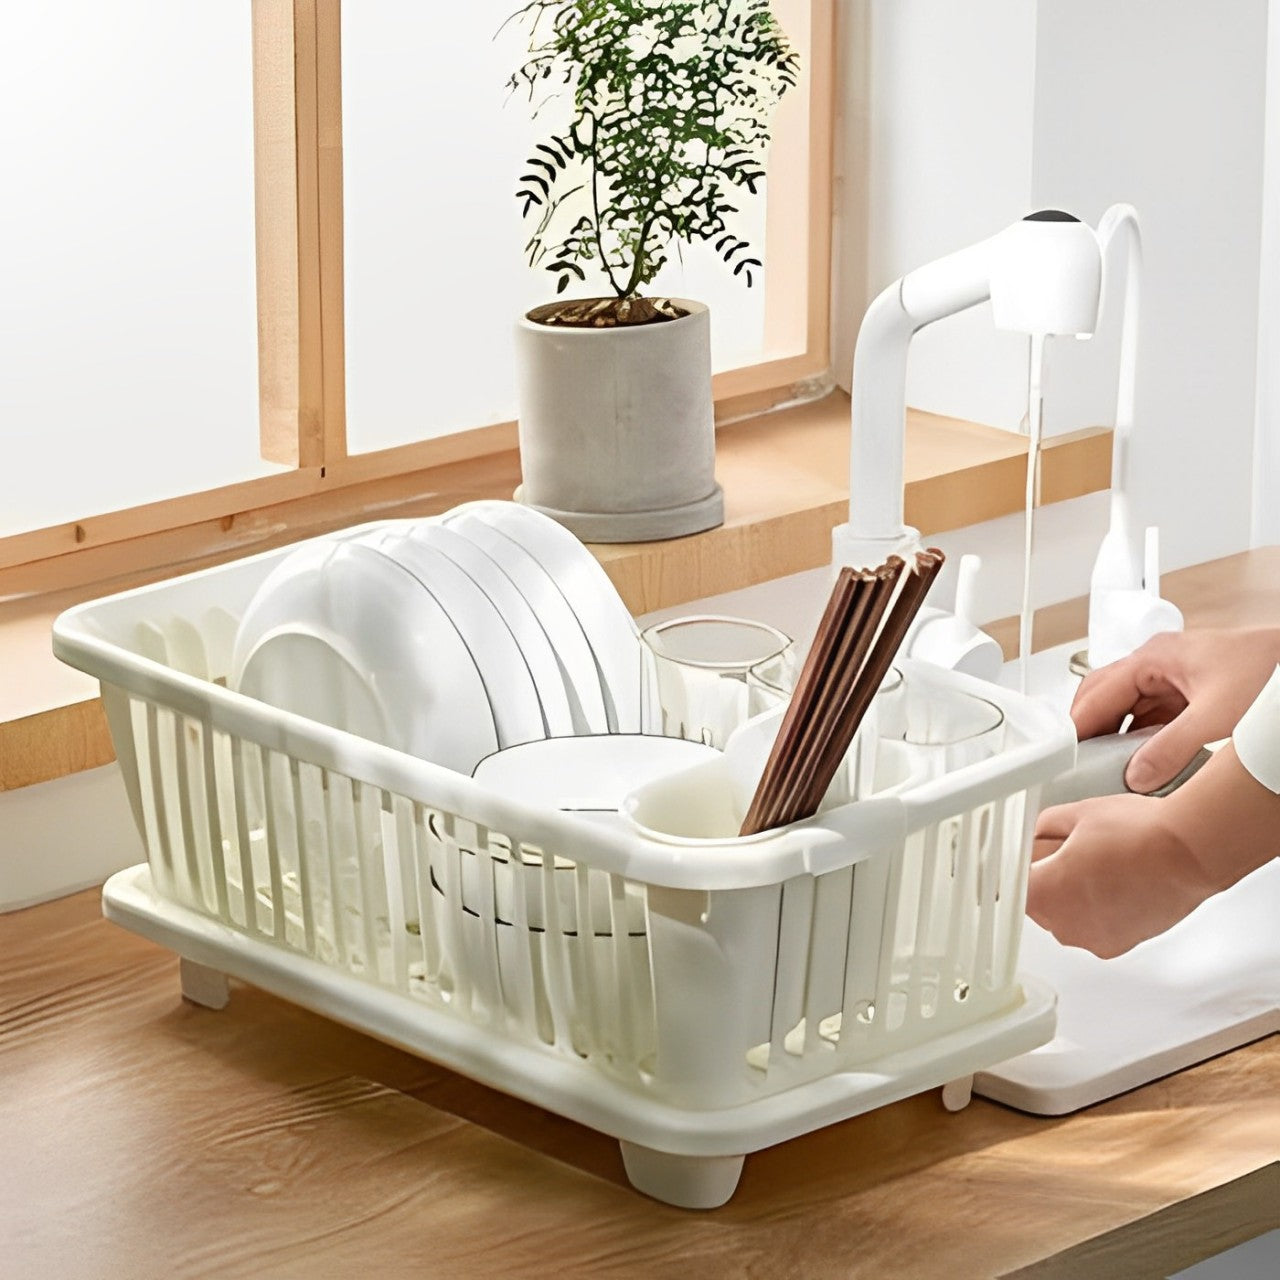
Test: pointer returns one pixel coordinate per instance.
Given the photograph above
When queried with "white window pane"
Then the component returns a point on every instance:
(128, 348)
(435, 274)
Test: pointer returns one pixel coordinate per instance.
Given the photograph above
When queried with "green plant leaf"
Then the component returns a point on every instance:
(671, 105)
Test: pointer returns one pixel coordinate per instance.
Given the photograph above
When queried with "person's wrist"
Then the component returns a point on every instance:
(1224, 819)
(1188, 851)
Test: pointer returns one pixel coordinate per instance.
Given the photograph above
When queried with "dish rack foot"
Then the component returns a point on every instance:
(689, 1182)
(957, 1094)
(202, 985)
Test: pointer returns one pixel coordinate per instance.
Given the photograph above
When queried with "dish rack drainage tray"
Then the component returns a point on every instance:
(698, 999)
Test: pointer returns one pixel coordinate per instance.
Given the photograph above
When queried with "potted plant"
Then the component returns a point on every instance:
(671, 105)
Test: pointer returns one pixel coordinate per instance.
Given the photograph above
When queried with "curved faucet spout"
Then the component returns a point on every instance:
(931, 293)
(1125, 606)
(1122, 220)
(1043, 276)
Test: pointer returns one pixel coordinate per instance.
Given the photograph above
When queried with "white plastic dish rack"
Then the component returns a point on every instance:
(698, 999)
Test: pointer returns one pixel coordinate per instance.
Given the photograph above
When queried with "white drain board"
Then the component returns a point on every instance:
(1212, 983)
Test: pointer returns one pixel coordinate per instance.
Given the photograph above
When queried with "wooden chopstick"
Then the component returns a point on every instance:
(800, 704)
(914, 590)
(859, 635)
(850, 656)
(796, 728)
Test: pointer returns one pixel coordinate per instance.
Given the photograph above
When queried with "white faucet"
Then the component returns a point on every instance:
(1125, 606)
(1043, 276)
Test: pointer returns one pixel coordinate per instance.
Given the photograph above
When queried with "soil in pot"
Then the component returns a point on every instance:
(606, 313)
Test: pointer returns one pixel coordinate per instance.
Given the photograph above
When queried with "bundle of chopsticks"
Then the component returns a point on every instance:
(849, 658)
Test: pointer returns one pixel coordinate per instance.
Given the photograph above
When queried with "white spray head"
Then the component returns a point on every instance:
(1046, 276)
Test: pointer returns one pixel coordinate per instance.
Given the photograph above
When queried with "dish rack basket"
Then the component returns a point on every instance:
(698, 999)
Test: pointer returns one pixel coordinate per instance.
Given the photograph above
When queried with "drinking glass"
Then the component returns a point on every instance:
(945, 731)
(772, 681)
(697, 673)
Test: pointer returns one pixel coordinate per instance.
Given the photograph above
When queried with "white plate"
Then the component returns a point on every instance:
(561, 624)
(513, 697)
(609, 627)
(515, 612)
(340, 633)
(594, 772)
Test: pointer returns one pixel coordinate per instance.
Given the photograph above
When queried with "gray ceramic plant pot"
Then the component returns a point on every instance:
(617, 432)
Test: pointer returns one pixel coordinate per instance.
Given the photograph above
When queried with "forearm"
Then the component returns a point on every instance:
(1226, 818)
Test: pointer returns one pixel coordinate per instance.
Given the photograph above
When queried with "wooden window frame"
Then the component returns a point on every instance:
(299, 238)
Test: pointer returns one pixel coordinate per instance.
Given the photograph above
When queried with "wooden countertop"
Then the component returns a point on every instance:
(142, 1136)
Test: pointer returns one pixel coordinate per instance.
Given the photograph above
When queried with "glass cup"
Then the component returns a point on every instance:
(945, 731)
(772, 681)
(942, 731)
(696, 673)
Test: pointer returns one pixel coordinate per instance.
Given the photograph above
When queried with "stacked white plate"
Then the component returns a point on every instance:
(448, 638)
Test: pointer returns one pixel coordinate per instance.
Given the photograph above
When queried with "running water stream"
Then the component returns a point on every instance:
(1035, 425)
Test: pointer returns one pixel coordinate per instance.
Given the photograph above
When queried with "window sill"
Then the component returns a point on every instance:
(784, 484)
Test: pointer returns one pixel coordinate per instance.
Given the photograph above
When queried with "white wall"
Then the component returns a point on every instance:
(1161, 103)
(1266, 456)
(934, 153)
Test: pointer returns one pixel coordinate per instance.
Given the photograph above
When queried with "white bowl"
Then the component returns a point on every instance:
(590, 773)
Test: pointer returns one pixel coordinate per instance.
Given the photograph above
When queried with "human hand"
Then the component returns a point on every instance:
(1196, 684)
(1110, 872)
